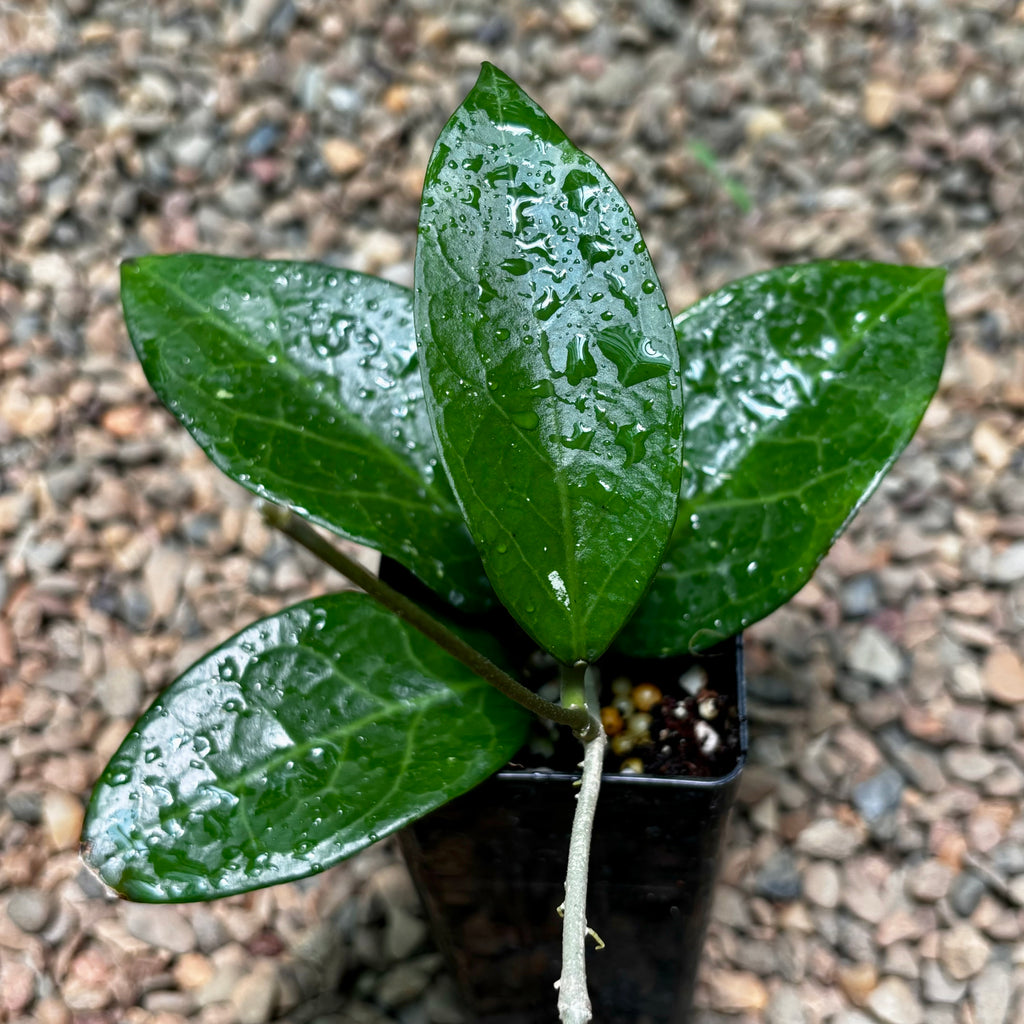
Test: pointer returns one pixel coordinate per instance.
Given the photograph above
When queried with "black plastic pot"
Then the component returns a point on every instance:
(490, 867)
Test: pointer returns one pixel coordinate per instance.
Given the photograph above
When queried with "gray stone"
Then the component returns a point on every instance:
(939, 987)
(1008, 857)
(1008, 565)
(64, 483)
(120, 692)
(874, 656)
(162, 926)
(402, 984)
(894, 1002)
(856, 939)
(968, 764)
(45, 556)
(785, 1007)
(403, 934)
(859, 596)
(965, 893)
(990, 994)
(443, 1004)
(25, 805)
(30, 909)
(192, 149)
(779, 878)
(829, 839)
(879, 795)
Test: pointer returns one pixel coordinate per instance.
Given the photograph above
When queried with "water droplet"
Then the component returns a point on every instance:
(648, 286)
(545, 307)
(516, 265)
(526, 419)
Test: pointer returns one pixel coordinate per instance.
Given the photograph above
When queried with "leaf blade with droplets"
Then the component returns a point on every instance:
(300, 382)
(551, 368)
(803, 385)
(300, 741)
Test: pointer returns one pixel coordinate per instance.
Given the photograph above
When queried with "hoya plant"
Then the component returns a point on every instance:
(511, 432)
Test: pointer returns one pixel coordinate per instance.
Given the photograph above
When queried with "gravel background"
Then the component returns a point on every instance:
(875, 871)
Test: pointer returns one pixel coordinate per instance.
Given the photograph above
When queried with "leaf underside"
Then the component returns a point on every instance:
(301, 382)
(802, 386)
(551, 369)
(303, 739)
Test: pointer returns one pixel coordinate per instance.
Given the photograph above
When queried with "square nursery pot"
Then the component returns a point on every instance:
(490, 868)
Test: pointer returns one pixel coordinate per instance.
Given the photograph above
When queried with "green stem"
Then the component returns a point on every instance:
(574, 695)
(281, 519)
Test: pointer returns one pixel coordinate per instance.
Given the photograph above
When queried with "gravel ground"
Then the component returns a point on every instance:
(875, 870)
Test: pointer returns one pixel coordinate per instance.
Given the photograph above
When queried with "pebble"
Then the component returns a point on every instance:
(1003, 676)
(939, 987)
(963, 952)
(404, 934)
(1008, 566)
(929, 881)
(401, 984)
(779, 878)
(857, 981)
(874, 656)
(786, 1006)
(894, 1002)
(822, 885)
(579, 15)
(120, 692)
(255, 996)
(965, 893)
(969, 764)
(736, 991)
(342, 157)
(30, 909)
(991, 992)
(880, 103)
(880, 795)
(62, 817)
(829, 839)
(162, 926)
(443, 1004)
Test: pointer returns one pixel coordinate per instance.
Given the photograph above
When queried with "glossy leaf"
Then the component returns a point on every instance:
(302, 383)
(802, 385)
(303, 739)
(551, 368)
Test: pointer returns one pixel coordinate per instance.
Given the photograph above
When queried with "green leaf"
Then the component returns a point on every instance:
(802, 387)
(302, 383)
(551, 368)
(303, 739)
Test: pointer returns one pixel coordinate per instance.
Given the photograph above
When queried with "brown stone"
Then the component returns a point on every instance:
(342, 157)
(1003, 675)
(857, 981)
(736, 991)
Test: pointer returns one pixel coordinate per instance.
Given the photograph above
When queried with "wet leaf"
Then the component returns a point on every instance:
(802, 385)
(551, 368)
(303, 739)
(302, 383)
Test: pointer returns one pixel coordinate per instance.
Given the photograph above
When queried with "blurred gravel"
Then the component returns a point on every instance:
(875, 869)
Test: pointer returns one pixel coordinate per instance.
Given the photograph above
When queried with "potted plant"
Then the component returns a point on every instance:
(510, 434)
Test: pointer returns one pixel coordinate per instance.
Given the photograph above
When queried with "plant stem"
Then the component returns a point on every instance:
(300, 531)
(573, 998)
